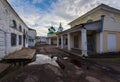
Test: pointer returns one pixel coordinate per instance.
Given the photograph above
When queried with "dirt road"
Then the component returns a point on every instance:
(68, 70)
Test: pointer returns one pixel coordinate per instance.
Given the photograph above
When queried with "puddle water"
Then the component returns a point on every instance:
(43, 59)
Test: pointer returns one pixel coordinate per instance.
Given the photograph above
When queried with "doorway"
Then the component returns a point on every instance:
(91, 42)
(76, 41)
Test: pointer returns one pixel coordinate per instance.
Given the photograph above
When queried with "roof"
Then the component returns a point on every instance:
(101, 6)
(31, 29)
(79, 27)
(15, 13)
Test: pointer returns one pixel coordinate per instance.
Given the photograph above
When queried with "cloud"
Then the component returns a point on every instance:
(57, 11)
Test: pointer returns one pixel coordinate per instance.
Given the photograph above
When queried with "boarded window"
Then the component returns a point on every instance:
(13, 39)
(20, 39)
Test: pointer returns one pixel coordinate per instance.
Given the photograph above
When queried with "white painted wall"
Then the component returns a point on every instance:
(7, 14)
(31, 43)
(32, 33)
(41, 39)
(32, 38)
(2, 43)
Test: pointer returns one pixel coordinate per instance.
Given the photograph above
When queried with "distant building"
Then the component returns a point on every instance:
(60, 29)
(41, 39)
(13, 31)
(51, 36)
(32, 37)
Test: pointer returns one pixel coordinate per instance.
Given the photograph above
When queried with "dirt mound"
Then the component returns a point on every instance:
(36, 73)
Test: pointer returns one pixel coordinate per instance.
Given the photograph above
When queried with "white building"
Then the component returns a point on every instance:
(41, 39)
(32, 37)
(13, 31)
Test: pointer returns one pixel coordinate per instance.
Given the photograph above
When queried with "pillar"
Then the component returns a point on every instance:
(84, 42)
(49, 42)
(62, 41)
(69, 41)
(101, 42)
(57, 41)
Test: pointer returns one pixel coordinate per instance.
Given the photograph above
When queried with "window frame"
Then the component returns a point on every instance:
(14, 24)
(13, 39)
(20, 28)
(20, 39)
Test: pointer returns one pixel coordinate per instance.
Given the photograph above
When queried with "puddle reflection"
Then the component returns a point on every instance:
(43, 59)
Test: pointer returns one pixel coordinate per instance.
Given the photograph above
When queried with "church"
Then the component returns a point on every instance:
(52, 35)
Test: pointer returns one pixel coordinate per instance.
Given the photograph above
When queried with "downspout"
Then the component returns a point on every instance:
(102, 22)
(101, 34)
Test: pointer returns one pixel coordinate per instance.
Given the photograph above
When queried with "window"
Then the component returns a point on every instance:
(13, 24)
(20, 39)
(112, 18)
(20, 28)
(13, 39)
(24, 31)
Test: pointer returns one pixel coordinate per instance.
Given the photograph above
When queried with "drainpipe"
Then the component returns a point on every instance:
(102, 22)
(101, 34)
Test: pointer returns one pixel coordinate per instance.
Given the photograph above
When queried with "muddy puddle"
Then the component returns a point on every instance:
(43, 59)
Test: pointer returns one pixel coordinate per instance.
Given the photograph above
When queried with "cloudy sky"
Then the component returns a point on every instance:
(41, 14)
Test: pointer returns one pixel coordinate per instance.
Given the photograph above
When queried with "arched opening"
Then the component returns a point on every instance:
(90, 20)
(13, 24)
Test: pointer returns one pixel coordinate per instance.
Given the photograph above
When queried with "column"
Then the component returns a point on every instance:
(57, 41)
(49, 41)
(84, 42)
(62, 41)
(101, 42)
(69, 41)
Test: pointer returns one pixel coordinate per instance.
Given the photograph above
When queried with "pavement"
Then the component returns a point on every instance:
(25, 53)
(67, 70)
